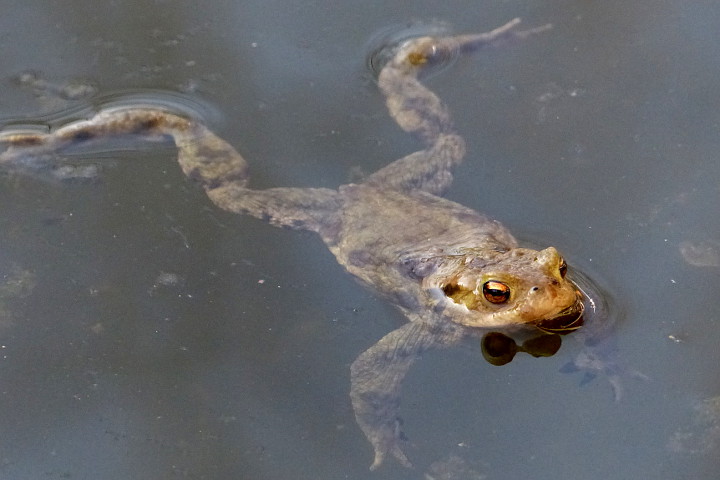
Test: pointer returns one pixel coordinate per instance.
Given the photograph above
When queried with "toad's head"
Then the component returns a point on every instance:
(507, 288)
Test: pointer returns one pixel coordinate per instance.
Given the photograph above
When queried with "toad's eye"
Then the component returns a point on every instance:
(496, 292)
(563, 268)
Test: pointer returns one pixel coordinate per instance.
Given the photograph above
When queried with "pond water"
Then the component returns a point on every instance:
(144, 334)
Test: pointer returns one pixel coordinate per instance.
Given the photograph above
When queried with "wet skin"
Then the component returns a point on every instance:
(453, 272)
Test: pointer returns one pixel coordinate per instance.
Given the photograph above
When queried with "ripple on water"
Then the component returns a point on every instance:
(384, 44)
(160, 99)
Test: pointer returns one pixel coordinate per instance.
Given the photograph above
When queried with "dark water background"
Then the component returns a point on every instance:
(144, 334)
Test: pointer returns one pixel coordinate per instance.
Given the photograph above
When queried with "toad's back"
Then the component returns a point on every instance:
(378, 226)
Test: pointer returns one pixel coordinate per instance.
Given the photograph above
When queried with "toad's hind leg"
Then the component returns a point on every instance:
(223, 173)
(418, 110)
(202, 155)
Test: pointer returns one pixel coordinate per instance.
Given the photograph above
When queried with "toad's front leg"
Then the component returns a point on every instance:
(377, 376)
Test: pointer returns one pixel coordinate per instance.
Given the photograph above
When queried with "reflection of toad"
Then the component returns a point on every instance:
(453, 272)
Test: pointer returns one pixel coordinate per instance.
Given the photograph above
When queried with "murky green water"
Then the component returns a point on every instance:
(145, 334)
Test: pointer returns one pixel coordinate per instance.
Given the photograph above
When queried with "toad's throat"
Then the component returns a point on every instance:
(564, 322)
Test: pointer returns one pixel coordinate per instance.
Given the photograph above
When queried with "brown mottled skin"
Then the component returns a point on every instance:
(452, 271)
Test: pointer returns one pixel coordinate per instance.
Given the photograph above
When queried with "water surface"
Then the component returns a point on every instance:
(146, 334)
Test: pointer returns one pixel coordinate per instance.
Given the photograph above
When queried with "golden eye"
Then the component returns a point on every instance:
(563, 268)
(496, 292)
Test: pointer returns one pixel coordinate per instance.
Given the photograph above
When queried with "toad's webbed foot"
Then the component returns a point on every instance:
(598, 357)
(600, 361)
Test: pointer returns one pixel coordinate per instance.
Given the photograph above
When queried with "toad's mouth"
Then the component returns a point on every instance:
(564, 322)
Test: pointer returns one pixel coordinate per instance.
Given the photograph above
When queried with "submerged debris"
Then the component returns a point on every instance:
(702, 435)
(701, 254)
(166, 281)
(453, 468)
(15, 283)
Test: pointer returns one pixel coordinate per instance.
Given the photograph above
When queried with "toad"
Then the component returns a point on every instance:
(454, 273)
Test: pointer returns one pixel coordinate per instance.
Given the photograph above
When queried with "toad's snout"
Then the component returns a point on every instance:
(566, 321)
